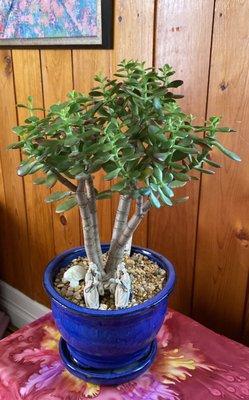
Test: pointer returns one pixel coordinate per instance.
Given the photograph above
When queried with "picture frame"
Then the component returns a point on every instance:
(98, 34)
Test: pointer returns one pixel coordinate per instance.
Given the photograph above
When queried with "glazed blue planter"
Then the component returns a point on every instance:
(113, 346)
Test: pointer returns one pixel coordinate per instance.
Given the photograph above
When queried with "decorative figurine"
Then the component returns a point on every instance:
(93, 287)
(74, 275)
(123, 287)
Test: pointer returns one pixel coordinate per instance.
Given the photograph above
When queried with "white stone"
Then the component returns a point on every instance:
(103, 307)
(74, 275)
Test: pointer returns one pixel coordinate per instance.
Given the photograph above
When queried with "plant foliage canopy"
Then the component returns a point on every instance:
(132, 128)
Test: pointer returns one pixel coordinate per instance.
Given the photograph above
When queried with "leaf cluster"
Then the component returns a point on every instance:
(131, 127)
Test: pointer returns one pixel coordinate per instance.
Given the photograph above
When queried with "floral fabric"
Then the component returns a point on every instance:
(192, 363)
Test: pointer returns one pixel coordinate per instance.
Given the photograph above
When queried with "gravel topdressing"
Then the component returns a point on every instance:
(146, 276)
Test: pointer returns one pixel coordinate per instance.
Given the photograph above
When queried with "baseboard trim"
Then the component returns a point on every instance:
(21, 309)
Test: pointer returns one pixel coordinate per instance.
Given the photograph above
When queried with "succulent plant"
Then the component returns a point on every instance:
(130, 127)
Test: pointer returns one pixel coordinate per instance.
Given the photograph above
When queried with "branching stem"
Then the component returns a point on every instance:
(64, 180)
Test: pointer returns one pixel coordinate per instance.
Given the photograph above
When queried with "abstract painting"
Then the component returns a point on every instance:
(54, 22)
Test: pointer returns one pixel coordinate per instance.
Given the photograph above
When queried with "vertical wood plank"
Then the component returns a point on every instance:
(223, 230)
(183, 39)
(133, 39)
(57, 82)
(6, 272)
(27, 74)
(86, 64)
(15, 266)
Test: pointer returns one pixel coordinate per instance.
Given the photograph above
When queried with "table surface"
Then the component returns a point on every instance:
(192, 363)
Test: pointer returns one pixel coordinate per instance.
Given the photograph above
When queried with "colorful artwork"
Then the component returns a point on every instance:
(193, 363)
(50, 22)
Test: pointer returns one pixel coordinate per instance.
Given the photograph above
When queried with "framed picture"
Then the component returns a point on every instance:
(46, 23)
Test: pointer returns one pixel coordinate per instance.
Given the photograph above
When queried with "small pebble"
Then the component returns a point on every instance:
(60, 285)
(103, 307)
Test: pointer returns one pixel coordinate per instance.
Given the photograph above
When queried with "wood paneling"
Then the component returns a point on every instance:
(223, 231)
(209, 49)
(26, 64)
(15, 239)
(172, 231)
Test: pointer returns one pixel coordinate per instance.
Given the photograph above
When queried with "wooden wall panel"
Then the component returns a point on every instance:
(26, 64)
(223, 231)
(183, 38)
(15, 251)
(57, 82)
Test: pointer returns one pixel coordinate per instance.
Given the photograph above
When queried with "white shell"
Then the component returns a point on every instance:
(74, 274)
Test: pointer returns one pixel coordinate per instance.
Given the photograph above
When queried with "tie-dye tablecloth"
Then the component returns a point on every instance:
(192, 363)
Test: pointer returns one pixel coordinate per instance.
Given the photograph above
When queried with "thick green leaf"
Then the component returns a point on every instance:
(177, 184)
(157, 103)
(67, 205)
(56, 196)
(118, 186)
(175, 84)
(153, 129)
(167, 190)
(112, 174)
(168, 177)
(25, 168)
(204, 170)
(51, 180)
(76, 169)
(104, 195)
(154, 200)
(158, 173)
(227, 152)
(82, 175)
(154, 186)
(181, 200)
(40, 180)
(161, 156)
(181, 177)
(212, 163)
(19, 130)
(226, 130)
(16, 145)
(96, 93)
(188, 150)
(71, 141)
(164, 198)
(36, 167)
(145, 191)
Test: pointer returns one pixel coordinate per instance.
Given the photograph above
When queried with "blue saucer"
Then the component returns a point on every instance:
(110, 376)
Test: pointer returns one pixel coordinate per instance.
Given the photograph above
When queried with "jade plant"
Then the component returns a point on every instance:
(132, 129)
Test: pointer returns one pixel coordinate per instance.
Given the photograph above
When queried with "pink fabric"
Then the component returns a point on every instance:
(192, 363)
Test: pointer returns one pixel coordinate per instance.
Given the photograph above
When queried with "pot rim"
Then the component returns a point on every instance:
(164, 293)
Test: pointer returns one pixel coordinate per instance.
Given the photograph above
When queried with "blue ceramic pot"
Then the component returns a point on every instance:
(108, 347)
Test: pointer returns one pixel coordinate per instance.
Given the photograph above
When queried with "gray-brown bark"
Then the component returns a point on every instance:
(127, 249)
(93, 210)
(121, 218)
(116, 252)
(87, 224)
